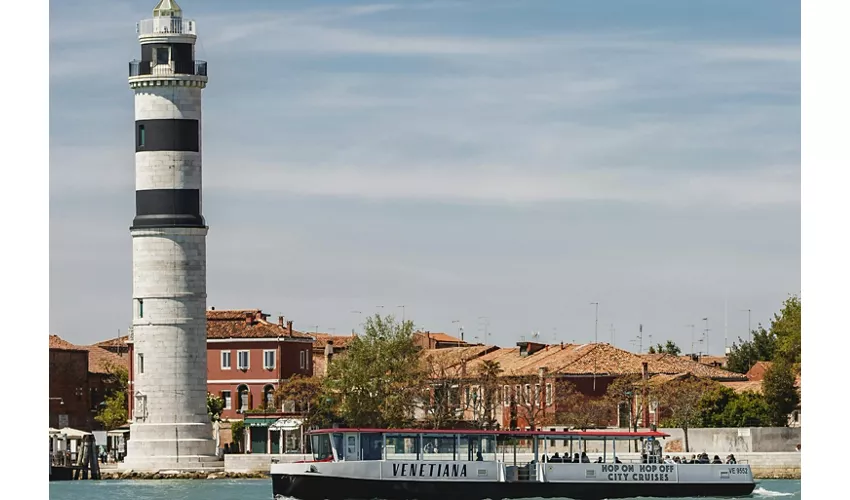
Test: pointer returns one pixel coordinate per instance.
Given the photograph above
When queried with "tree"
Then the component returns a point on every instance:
(747, 409)
(378, 381)
(680, 399)
(237, 433)
(442, 398)
(489, 372)
(743, 356)
(113, 412)
(581, 411)
(215, 405)
(633, 390)
(669, 348)
(780, 392)
(786, 327)
(306, 395)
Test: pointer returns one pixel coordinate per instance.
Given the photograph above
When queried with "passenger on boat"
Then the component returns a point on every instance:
(731, 459)
(617, 460)
(693, 460)
(556, 458)
(716, 460)
(599, 460)
(576, 459)
(479, 457)
(677, 459)
(668, 460)
(584, 458)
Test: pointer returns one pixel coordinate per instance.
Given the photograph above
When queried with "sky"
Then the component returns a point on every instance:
(494, 162)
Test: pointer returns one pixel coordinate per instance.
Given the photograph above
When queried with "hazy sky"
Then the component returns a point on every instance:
(515, 160)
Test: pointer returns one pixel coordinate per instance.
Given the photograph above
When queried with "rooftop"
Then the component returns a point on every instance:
(248, 323)
(100, 360)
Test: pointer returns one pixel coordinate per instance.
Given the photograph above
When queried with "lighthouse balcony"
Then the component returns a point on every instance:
(173, 68)
(166, 26)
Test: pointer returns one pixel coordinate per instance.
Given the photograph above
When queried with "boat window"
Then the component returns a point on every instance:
(402, 446)
(435, 447)
(477, 448)
(338, 444)
(321, 446)
(371, 446)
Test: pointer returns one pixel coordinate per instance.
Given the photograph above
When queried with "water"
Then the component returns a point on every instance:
(261, 489)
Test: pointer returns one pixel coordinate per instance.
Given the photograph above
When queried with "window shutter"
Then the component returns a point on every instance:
(250, 401)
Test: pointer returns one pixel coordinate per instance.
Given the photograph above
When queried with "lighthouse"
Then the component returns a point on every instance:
(169, 424)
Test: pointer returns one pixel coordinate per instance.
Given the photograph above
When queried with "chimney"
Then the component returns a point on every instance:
(329, 352)
(562, 344)
(541, 372)
(249, 318)
(289, 327)
(645, 370)
(212, 308)
(280, 321)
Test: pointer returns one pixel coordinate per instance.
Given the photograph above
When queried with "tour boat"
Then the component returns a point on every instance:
(407, 464)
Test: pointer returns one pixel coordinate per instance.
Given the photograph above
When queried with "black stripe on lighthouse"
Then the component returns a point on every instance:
(168, 208)
(168, 135)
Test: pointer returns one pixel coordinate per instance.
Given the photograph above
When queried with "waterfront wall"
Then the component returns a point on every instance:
(734, 440)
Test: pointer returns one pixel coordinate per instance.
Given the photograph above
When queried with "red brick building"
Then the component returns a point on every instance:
(80, 380)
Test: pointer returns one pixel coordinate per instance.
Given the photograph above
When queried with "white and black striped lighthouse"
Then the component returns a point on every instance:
(170, 427)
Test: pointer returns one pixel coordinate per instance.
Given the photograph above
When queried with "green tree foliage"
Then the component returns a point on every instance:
(743, 356)
(721, 407)
(215, 405)
(113, 412)
(669, 348)
(378, 381)
(779, 391)
(747, 409)
(787, 326)
(237, 434)
(782, 341)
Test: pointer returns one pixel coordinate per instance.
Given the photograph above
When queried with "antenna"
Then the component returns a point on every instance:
(535, 335)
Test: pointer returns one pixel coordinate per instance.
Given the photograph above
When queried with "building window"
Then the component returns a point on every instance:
(303, 359)
(550, 396)
(141, 363)
(526, 395)
(268, 360)
(268, 397)
(225, 360)
(244, 398)
(141, 145)
(225, 396)
(242, 361)
(506, 398)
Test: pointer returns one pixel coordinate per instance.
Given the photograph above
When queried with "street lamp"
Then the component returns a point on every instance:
(360, 324)
(595, 341)
(749, 327)
(402, 313)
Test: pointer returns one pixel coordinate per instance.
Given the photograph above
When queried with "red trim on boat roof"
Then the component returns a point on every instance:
(597, 434)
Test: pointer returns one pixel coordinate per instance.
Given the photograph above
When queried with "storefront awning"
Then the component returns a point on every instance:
(259, 422)
(286, 424)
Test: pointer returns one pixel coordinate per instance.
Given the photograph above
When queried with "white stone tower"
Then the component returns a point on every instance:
(170, 428)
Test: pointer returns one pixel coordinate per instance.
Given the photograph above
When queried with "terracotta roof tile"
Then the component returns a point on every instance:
(100, 360)
(234, 324)
(454, 356)
(667, 363)
(338, 340)
(117, 341)
(743, 386)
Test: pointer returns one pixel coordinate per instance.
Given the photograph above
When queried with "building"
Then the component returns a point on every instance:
(325, 348)
(80, 380)
(540, 383)
(169, 427)
(247, 358)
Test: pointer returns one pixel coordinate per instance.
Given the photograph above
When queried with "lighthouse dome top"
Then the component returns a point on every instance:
(167, 8)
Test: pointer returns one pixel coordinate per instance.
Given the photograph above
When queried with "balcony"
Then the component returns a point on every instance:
(165, 26)
(176, 68)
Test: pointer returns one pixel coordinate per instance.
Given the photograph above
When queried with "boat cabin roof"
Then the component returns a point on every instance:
(483, 432)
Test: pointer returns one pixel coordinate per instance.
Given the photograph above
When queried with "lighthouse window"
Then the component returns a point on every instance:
(141, 308)
(141, 136)
(141, 363)
(162, 55)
